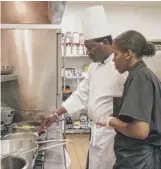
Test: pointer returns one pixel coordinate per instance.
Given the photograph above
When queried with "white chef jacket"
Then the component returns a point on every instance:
(97, 90)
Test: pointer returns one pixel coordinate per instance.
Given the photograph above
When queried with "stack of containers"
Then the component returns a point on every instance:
(73, 44)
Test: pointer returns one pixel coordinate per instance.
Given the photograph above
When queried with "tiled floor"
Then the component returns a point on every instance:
(78, 150)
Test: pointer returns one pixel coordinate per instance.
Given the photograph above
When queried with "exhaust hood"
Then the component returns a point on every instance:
(32, 12)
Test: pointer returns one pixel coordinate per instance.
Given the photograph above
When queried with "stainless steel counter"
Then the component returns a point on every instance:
(55, 158)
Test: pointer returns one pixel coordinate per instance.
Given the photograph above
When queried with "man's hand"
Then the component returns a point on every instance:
(47, 122)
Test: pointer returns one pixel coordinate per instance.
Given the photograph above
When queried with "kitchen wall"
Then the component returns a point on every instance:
(146, 19)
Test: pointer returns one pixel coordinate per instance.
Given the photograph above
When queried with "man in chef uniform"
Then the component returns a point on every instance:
(97, 90)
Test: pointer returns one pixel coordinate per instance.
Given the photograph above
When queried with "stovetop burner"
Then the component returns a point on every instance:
(39, 162)
(38, 167)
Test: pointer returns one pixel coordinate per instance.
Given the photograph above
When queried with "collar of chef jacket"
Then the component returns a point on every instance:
(108, 59)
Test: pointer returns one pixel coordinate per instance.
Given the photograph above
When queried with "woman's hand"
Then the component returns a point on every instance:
(106, 122)
(136, 129)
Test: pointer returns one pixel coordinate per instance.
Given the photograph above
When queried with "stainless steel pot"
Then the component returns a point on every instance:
(24, 148)
(13, 162)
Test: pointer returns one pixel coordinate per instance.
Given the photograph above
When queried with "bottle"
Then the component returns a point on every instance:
(67, 92)
(70, 123)
(67, 122)
(87, 124)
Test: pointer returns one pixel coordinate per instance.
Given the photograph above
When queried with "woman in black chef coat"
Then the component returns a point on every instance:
(138, 123)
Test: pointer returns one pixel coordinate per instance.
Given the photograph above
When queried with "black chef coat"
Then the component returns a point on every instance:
(141, 101)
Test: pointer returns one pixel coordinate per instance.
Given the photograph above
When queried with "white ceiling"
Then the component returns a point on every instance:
(124, 3)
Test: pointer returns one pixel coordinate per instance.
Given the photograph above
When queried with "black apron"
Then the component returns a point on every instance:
(139, 154)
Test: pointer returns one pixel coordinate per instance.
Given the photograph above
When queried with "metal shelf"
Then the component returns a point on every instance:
(76, 56)
(30, 26)
(73, 77)
(73, 131)
(6, 78)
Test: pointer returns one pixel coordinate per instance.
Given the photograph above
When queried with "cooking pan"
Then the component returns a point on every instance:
(18, 127)
(22, 136)
(30, 137)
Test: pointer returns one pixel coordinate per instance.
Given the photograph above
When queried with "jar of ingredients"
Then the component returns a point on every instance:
(68, 50)
(86, 68)
(69, 123)
(75, 38)
(82, 125)
(74, 50)
(81, 50)
(83, 117)
(76, 124)
(67, 92)
(68, 38)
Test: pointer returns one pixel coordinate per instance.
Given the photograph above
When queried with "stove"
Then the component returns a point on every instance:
(40, 157)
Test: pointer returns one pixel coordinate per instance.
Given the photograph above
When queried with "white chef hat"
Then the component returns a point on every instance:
(94, 22)
(71, 23)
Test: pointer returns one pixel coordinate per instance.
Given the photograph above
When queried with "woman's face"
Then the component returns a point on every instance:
(120, 59)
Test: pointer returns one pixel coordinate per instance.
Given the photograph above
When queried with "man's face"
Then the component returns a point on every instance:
(94, 50)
